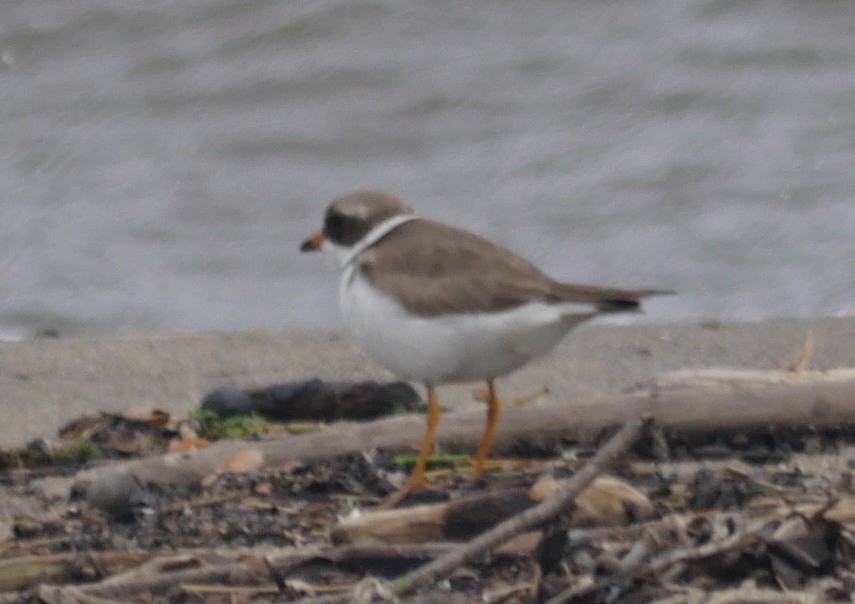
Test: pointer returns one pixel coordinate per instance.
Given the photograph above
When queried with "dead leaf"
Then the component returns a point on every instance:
(245, 461)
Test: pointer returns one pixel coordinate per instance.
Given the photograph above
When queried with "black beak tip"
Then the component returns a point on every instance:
(308, 246)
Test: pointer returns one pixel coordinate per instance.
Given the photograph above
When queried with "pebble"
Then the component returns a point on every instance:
(117, 494)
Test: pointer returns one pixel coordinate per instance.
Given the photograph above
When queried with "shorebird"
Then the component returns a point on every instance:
(439, 305)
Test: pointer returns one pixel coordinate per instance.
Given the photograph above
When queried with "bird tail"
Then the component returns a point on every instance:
(627, 301)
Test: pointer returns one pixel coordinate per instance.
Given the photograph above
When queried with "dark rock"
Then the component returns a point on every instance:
(116, 494)
(711, 490)
(227, 401)
(316, 400)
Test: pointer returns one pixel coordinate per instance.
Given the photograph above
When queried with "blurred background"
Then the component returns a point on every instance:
(161, 161)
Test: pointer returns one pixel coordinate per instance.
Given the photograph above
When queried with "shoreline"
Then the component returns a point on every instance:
(46, 382)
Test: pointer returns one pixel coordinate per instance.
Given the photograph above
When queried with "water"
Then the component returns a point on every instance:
(160, 162)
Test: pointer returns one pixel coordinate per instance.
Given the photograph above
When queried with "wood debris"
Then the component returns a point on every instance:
(710, 508)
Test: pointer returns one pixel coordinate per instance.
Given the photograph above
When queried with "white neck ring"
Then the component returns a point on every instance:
(375, 235)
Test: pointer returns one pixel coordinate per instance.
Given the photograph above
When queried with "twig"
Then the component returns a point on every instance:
(749, 535)
(255, 569)
(799, 364)
(634, 563)
(222, 573)
(203, 502)
(229, 590)
(529, 519)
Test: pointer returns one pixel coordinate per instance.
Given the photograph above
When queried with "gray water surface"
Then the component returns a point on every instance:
(160, 161)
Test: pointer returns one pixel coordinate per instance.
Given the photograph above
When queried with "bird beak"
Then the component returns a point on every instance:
(313, 243)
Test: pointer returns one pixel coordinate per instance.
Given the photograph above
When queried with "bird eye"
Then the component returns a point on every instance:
(333, 226)
(344, 229)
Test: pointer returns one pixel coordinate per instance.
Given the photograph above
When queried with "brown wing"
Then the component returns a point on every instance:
(435, 269)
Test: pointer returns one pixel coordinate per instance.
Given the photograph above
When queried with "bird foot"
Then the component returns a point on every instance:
(413, 484)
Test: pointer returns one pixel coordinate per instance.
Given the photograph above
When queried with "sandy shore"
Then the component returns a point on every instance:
(45, 383)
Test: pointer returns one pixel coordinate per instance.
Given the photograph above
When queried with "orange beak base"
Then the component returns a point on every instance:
(313, 243)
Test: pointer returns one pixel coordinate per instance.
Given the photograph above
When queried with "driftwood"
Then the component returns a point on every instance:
(605, 501)
(455, 521)
(693, 402)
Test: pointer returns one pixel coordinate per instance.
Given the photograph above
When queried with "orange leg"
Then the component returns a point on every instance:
(494, 409)
(417, 478)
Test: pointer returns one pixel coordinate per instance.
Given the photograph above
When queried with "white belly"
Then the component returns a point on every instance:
(452, 348)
